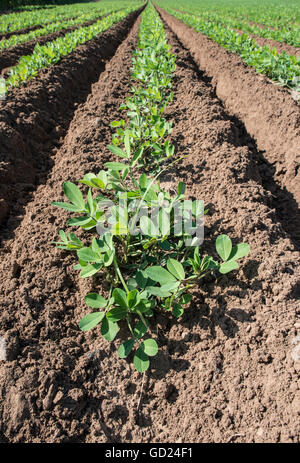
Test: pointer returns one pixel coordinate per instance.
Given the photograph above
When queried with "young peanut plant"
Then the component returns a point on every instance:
(140, 248)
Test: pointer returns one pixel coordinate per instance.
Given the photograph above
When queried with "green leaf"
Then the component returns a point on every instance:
(117, 151)
(90, 202)
(141, 278)
(79, 221)
(159, 274)
(109, 329)
(116, 314)
(143, 182)
(181, 188)
(171, 286)
(90, 270)
(177, 310)
(137, 155)
(223, 246)
(88, 255)
(133, 298)
(125, 348)
(164, 222)
(127, 143)
(67, 206)
(63, 236)
(158, 291)
(74, 195)
(102, 176)
(140, 329)
(239, 251)
(176, 269)
(142, 306)
(141, 361)
(98, 183)
(120, 297)
(108, 258)
(115, 124)
(185, 299)
(228, 266)
(91, 320)
(95, 300)
(150, 347)
(115, 165)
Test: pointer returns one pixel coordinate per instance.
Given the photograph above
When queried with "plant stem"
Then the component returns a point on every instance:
(118, 271)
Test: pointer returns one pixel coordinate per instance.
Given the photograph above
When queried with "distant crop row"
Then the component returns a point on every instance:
(21, 20)
(272, 13)
(52, 52)
(287, 34)
(280, 67)
(59, 25)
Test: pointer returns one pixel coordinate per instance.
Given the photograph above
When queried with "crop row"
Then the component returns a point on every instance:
(21, 20)
(271, 13)
(143, 246)
(280, 67)
(52, 52)
(60, 25)
(289, 35)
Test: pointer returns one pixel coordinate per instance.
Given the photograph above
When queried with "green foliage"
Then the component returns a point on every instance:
(60, 25)
(280, 67)
(241, 17)
(52, 52)
(145, 272)
(271, 13)
(144, 136)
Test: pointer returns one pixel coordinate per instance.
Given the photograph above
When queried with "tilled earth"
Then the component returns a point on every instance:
(229, 369)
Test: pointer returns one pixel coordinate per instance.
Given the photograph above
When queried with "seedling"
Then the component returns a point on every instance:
(147, 265)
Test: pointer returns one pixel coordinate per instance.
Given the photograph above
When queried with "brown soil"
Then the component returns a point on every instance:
(10, 57)
(35, 117)
(227, 371)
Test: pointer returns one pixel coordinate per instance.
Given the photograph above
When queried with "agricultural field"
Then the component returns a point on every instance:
(149, 221)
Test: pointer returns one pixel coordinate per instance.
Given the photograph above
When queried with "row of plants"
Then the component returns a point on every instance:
(280, 67)
(59, 25)
(140, 239)
(20, 20)
(51, 53)
(32, 4)
(14, 22)
(271, 13)
(286, 34)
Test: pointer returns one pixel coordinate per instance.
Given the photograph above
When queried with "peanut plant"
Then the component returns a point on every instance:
(145, 261)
